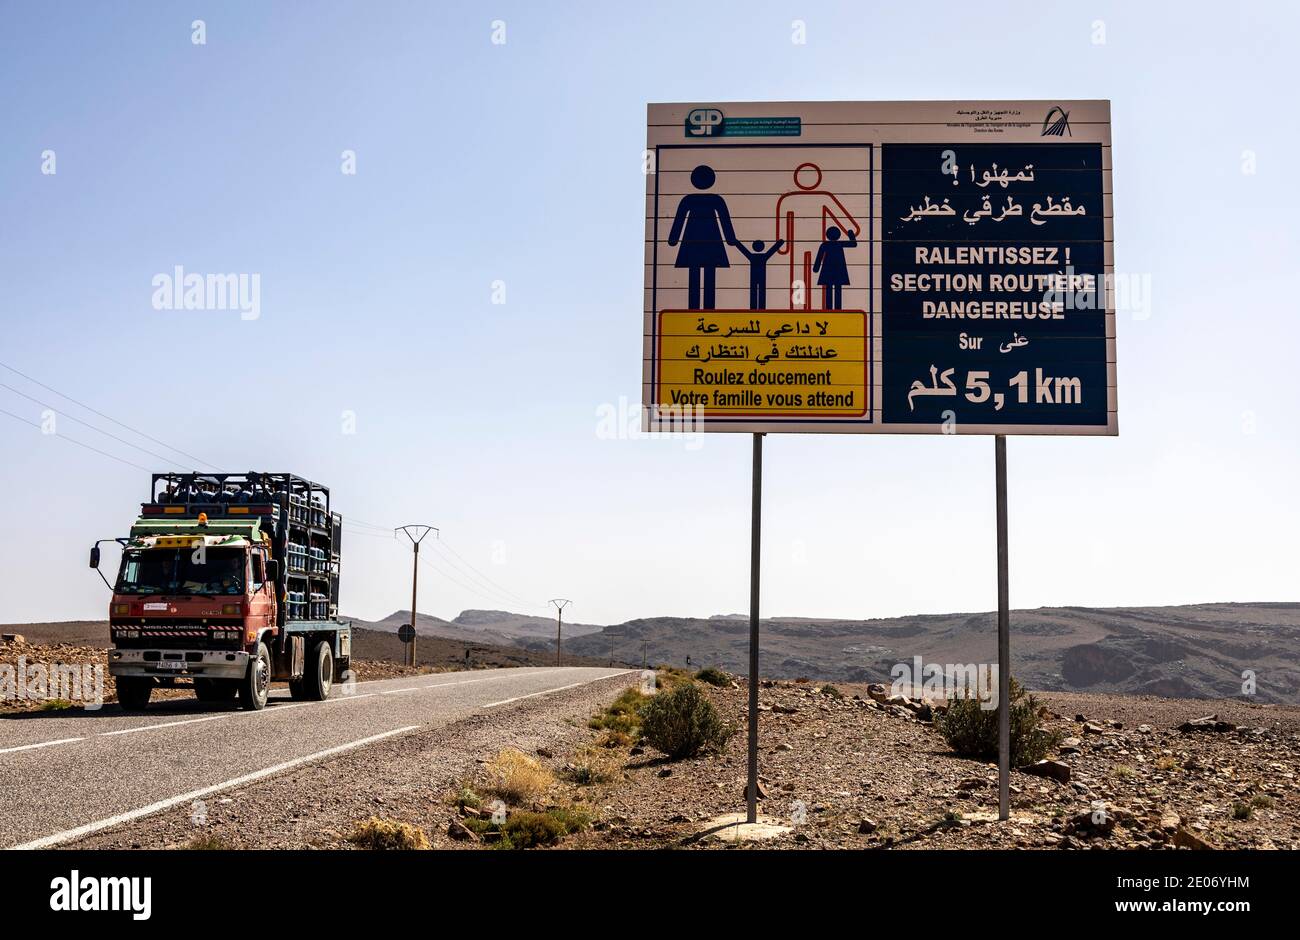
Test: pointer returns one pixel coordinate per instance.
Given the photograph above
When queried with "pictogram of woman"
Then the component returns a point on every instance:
(703, 226)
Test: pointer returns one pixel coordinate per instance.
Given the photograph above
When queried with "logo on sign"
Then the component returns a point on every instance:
(1056, 124)
(702, 122)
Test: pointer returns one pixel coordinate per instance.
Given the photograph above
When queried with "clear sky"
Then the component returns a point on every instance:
(520, 162)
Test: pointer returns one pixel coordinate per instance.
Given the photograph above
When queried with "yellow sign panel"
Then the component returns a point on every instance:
(810, 363)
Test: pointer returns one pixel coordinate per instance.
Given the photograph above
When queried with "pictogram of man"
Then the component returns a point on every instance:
(803, 216)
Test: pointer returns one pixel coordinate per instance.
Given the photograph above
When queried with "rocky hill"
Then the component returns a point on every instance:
(482, 626)
(1192, 651)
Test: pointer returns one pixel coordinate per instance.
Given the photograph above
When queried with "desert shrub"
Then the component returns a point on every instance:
(385, 834)
(832, 691)
(587, 768)
(525, 829)
(1242, 811)
(972, 731)
(1123, 771)
(467, 797)
(669, 677)
(55, 705)
(623, 714)
(570, 817)
(714, 676)
(1166, 762)
(613, 739)
(516, 777)
(1261, 801)
(683, 722)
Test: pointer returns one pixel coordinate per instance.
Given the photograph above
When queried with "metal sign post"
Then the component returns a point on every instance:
(756, 518)
(1004, 636)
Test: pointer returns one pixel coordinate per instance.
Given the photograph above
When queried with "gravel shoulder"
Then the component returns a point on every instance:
(848, 772)
(408, 778)
(843, 771)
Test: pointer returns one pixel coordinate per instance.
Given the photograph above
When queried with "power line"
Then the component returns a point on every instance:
(461, 584)
(73, 440)
(349, 520)
(120, 440)
(494, 596)
(101, 414)
(464, 567)
(370, 535)
(488, 581)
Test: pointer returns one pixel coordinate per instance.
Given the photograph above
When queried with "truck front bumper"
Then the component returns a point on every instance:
(173, 664)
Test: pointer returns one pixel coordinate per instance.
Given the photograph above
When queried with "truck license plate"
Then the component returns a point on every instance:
(172, 664)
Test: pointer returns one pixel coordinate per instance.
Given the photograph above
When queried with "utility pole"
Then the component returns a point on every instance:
(416, 534)
(560, 603)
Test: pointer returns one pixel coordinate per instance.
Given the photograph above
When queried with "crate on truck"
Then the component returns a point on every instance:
(228, 582)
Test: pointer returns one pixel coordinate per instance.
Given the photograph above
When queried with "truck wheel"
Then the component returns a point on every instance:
(215, 690)
(255, 685)
(133, 692)
(318, 676)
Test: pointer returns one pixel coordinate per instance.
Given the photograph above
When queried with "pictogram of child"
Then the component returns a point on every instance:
(758, 270)
(834, 270)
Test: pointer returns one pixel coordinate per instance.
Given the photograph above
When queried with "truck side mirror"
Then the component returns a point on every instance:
(272, 569)
(94, 556)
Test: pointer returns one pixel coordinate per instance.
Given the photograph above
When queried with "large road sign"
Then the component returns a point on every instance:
(880, 267)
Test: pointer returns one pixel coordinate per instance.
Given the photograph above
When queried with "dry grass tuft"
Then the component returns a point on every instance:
(517, 778)
(385, 834)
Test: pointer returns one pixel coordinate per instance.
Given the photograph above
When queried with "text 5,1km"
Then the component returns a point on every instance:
(1024, 389)
(755, 364)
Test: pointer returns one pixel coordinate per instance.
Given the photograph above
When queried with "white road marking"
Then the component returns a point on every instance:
(344, 698)
(88, 828)
(520, 698)
(31, 747)
(277, 705)
(166, 724)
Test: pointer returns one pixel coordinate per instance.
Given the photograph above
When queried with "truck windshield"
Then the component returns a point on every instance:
(175, 571)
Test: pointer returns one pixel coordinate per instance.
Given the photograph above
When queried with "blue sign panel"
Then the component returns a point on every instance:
(993, 300)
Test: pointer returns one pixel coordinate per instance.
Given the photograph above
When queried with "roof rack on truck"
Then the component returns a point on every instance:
(306, 535)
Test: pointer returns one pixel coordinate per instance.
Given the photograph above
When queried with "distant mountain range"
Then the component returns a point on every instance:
(1193, 651)
(481, 626)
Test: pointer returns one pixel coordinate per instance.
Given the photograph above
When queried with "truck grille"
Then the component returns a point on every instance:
(174, 635)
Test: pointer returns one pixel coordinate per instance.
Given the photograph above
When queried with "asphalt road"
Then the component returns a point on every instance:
(65, 775)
